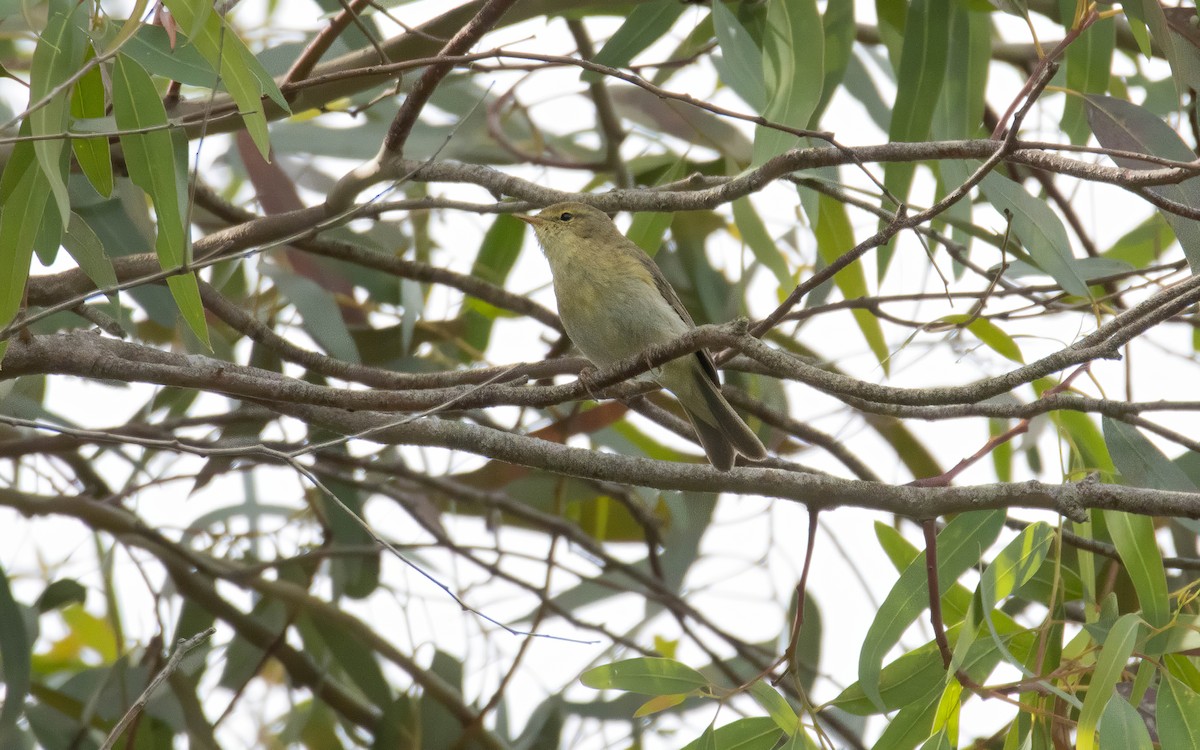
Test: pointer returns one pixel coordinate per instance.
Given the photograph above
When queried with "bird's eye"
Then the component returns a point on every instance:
(566, 216)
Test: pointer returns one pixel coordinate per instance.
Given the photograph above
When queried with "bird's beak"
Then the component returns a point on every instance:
(533, 221)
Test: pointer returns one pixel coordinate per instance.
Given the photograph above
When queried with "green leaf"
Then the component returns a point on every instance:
(241, 73)
(200, 11)
(960, 545)
(776, 706)
(318, 310)
(793, 62)
(1143, 244)
(1181, 634)
(59, 594)
(800, 739)
(753, 733)
(911, 724)
(860, 84)
(741, 64)
(920, 75)
(644, 26)
(25, 213)
(839, 29)
(1140, 462)
(501, 246)
(649, 227)
(85, 247)
(961, 103)
(151, 47)
(674, 118)
(1016, 564)
(1089, 65)
(755, 234)
(95, 161)
(647, 675)
(357, 660)
(913, 675)
(1136, 17)
(1122, 726)
(58, 55)
(990, 334)
(151, 161)
(1039, 228)
(14, 655)
(1178, 713)
(1109, 665)
(835, 237)
(1089, 452)
(1133, 536)
(1123, 126)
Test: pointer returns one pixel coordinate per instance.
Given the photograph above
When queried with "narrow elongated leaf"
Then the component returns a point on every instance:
(959, 547)
(501, 245)
(1040, 230)
(1178, 713)
(644, 26)
(839, 28)
(649, 676)
(241, 73)
(322, 319)
(85, 247)
(649, 227)
(1143, 244)
(1140, 462)
(911, 725)
(151, 47)
(88, 102)
(755, 234)
(1111, 662)
(1136, 17)
(915, 674)
(1089, 66)
(961, 103)
(683, 121)
(990, 334)
(1016, 564)
(919, 79)
(776, 706)
(1133, 536)
(835, 237)
(58, 56)
(1125, 126)
(15, 655)
(1122, 726)
(26, 211)
(151, 160)
(357, 660)
(793, 62)
(753, 733)
(741, 64)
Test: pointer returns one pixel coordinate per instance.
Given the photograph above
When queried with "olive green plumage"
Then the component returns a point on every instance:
(615, 302)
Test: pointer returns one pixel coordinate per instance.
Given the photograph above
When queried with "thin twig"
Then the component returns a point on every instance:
(182, 649)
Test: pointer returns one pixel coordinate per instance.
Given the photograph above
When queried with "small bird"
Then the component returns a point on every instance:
(615, 302)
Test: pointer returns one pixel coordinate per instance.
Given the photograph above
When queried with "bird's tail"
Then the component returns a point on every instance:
(721, 431)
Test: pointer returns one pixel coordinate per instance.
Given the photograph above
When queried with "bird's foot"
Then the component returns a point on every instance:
(587, 376)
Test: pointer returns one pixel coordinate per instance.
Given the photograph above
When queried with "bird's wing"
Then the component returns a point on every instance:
(668, 293)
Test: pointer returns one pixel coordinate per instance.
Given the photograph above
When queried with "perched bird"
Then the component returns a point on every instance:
(615, 302)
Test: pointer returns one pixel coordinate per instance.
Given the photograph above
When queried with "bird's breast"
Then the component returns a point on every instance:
(612, 313)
